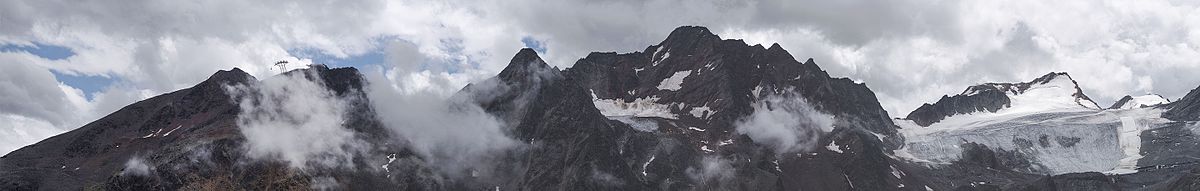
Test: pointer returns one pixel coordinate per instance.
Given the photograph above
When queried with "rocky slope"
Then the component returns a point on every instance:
(1186, 108)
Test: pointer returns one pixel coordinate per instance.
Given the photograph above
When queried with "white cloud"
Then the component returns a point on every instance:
(137, 166)
(37, 106)
(294, 119)
(18, 131)
(453, 134)
(785, 123)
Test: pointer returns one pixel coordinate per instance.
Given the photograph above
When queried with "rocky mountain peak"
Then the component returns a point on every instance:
(232, 75)
(686, 36)
(1055, 90)
(1148, 100)
(525, 64)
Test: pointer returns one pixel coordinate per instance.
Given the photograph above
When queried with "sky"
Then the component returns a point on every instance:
(66, 63)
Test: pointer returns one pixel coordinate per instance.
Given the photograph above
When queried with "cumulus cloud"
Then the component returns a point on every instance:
(453, 135)
(17, 131)
(296, 119)
(785, 123)
(37, 106)
(32, 91)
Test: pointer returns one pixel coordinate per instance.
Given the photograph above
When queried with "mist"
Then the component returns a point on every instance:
(137, 166)
(786, 123)
(452, 134)
(295, 119)
(713, 170)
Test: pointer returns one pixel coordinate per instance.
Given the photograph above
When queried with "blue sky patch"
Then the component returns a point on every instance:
(534, 44)
(89, 84)
(51, 52)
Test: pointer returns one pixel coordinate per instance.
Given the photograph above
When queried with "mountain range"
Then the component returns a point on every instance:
(693, 112)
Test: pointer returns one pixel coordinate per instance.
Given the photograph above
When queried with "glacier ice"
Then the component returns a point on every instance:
(1058, 141)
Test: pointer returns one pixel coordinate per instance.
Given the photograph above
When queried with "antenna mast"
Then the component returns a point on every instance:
(282, 64)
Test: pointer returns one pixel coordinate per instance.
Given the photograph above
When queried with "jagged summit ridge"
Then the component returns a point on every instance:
(1131, 102)
(1055, 90)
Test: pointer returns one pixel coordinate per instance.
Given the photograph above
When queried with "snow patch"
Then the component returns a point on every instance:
(665, 55)
(834, 147)
(696, 129)
(776, 162)
(172, 130)
(640, 107)
(647, 165)
(896, 172)
(391, 158)
(151, 134)
(674, 82)
(756, 91)
(725, 142)
(701, 112)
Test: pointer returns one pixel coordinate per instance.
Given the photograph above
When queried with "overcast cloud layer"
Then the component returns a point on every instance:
(908, 52)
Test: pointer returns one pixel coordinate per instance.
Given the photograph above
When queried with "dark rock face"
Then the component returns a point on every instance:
(1186, 109)
(988, 97)
(573, 147)
(1073, 181)
(1121, 102)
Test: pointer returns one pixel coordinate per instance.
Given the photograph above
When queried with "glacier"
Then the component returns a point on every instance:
(1057, 141)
